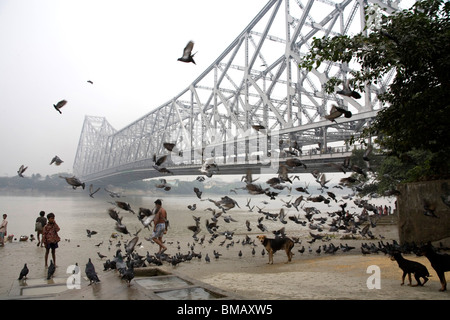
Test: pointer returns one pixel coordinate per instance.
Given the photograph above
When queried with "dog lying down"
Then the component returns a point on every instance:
(273, 245)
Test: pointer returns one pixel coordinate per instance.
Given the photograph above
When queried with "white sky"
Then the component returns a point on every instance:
(129, 49)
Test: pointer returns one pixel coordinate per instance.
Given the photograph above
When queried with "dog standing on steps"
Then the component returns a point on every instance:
(273, 245)
(408, 267)
(439, 261)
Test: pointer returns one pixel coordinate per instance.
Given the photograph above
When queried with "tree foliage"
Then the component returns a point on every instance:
(415, 43)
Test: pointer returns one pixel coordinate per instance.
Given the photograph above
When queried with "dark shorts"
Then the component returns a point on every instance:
(52, 246)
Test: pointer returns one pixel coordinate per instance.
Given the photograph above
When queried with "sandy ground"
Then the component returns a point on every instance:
(308, 276)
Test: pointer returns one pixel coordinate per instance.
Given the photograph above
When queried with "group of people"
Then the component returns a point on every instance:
(47, 231)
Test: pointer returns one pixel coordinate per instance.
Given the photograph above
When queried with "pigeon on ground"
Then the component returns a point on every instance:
(90, 273)
(51, 270)
(24, 272)
(128, 274)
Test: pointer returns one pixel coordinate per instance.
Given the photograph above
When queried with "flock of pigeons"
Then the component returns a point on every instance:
(341, 220)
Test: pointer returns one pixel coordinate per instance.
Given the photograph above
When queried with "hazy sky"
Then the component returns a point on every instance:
(129, 49)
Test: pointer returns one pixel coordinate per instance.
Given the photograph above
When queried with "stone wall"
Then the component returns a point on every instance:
(413, 223)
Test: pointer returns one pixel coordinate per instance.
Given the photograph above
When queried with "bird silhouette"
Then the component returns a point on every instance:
(59, 105)
(187, 53)
(90, 81)
(56, 160)
(24, 272)
(21, 170)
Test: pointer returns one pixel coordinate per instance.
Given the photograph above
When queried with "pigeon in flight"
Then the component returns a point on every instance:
(92, 191)
(336, 112)
(74, 182)
(346, 91)
(59, 105)
(56, 160)
(187, 53)
(21, 170)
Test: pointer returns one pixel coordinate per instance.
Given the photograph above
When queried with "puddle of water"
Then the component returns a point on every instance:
(33, 291)
(162, 282)
(189, 294)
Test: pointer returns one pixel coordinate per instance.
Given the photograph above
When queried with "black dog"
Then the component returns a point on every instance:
(408, 267)
(439, 261)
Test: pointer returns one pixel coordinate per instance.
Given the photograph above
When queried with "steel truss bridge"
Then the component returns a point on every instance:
(256, 81)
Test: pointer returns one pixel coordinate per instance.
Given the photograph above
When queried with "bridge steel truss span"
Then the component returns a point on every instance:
(255, 81)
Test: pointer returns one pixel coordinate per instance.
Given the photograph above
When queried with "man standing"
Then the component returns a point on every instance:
(3, 231)
(159, 228)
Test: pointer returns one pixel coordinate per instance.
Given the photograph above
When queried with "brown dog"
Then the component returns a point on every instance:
(273, 245)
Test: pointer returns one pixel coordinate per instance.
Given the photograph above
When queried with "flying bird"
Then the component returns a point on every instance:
(92, 191)
(198, 192)
(125, 206)
(336, 112)
(74, 182)
(21, 170)
(129, 247)
(90, 81)
(59, 105)
(112, 194)
(348, 92)
(56, 160)
(258, 127)
(187, 53)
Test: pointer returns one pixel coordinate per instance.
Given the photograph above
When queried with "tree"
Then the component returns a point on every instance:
(415, 43)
